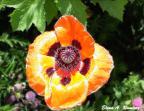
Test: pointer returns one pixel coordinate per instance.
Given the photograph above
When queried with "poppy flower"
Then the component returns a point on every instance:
(66, 65)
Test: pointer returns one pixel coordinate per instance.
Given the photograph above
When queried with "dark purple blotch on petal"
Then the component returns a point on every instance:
(53, 49)
(86, 66)
(50, 71)
(76, 44)
(65, 80)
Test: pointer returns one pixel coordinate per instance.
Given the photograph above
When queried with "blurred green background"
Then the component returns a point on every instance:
(118, 25)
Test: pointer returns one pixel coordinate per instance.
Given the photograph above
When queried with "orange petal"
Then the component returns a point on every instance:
(34, 79)
(68, 28)
(87, 44)
(63, 37)
(44, 41)
(100, 68)
(70, 23)
(36, 65)
(67, 96)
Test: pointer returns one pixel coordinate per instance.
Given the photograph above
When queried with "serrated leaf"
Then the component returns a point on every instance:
(50, 9)
(72, 7)
(31, 11)
(114, 7)
(12, 3)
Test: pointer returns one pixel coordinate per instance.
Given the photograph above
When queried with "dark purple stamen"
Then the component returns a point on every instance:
(65, 80)
(50, 71)
(53, 49)
(86, 66)
(76, 44)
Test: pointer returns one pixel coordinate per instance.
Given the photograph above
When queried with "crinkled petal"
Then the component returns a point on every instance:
(43, 42)
(69, 29)
(69, 95)
(36, 65)
(100, 68)
(87, 44)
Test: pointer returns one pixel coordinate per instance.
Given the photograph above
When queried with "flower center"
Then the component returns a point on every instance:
(67, 58)
(67, 55)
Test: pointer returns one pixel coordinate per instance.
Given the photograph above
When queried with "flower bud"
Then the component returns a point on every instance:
(137, 102)
(11, 99)
(30, 95)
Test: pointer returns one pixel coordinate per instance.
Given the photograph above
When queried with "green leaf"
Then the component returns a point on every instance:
(142, 84)
(1, 4)
(31, 11)
(114, 7)
(50, 9)
(7, 108)
(72, 7)
(28, 12)
(95, 1)
(12, 41)
(4, 39)
(12, 3)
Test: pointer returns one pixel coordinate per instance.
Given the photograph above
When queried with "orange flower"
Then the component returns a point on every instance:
(65, 65)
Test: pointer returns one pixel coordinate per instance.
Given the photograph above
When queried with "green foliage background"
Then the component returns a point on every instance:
(118, 25)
